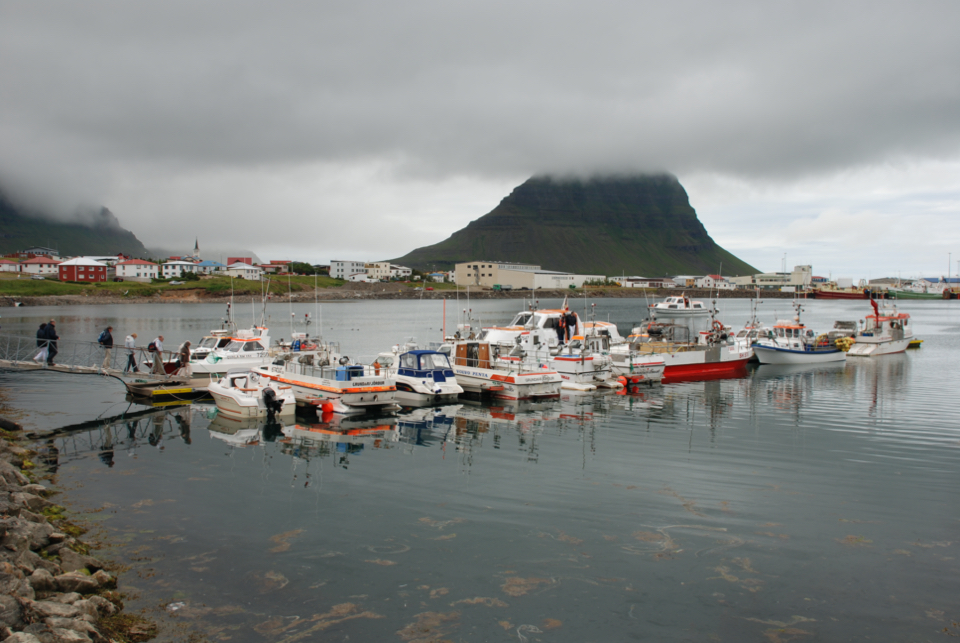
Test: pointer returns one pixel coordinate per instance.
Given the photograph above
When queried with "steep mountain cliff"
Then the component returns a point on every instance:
(93, 232)
(637, 225)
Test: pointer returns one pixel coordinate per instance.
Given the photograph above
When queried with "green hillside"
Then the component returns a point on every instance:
(97, 234)
(634, 225)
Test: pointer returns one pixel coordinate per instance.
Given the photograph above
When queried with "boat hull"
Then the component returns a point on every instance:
(508, 385)
(357, 395)
(873, 349)
(710, 363)
(247, 406)
(772, 355)
(837, 294)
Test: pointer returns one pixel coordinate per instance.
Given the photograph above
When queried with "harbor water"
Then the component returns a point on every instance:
(792, 504)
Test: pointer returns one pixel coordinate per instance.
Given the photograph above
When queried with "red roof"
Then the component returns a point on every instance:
(715, 277)
(40, 260)
(136, 262)
(8, 261)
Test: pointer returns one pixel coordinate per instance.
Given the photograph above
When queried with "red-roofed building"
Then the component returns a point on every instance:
(85, 270)
(40, 266)
(233, 260)
(137, 270)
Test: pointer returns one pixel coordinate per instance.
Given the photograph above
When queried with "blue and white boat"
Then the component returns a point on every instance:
(790, 342)
(423, 377)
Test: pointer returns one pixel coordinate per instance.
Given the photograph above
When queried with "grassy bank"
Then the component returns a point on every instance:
(10, 286)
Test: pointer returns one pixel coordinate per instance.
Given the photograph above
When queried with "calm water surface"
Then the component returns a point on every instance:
(790, 505)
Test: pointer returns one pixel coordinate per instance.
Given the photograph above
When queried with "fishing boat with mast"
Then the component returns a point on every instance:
(583, 361)
(791, 342)
(692, 353)
(884, 332)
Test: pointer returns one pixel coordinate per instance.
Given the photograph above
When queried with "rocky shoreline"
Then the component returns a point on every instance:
(386, 291)
(51, 589)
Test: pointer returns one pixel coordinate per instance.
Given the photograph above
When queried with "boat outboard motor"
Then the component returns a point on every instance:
(270, 401)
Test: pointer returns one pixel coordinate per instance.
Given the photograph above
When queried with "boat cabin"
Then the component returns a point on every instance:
(679, 303)
(424, 363)
(473, 354)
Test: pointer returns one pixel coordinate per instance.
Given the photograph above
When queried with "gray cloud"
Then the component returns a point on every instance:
(124, 100)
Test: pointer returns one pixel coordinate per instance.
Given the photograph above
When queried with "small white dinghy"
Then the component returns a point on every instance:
(244, 393)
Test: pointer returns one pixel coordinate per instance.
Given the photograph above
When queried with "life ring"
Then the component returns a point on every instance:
(717, 326)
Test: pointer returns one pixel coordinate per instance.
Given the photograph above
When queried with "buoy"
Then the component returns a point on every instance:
(327, 407)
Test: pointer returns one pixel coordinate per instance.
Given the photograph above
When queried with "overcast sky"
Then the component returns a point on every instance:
(827, 132)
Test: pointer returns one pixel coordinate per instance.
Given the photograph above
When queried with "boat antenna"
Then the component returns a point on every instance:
(316, 306)
(290, 300)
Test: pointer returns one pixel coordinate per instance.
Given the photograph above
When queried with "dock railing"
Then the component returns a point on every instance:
(75, 356)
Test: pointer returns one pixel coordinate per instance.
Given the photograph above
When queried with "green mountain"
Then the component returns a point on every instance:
(96, 232)
(634, 225)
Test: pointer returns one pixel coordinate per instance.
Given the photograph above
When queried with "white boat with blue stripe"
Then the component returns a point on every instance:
(423, 377)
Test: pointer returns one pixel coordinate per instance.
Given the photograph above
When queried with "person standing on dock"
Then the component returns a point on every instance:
(157, 351)
(130, 343)
(50, 334)
(106, 340)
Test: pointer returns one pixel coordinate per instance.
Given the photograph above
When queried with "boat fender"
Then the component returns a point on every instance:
(344, 360)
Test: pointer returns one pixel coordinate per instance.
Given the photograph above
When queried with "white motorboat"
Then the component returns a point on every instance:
(244, 393)
(679, 307)
(216, 339)
(247, 349)
(423, 377)
(531, 341)
(342, 388)
(884, 332)
(476, 366)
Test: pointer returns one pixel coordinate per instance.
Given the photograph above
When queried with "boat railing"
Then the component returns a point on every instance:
(338, 372)
(21, 351)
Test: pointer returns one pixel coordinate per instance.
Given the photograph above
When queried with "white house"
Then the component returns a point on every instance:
(714, 282)
(343, 269)
(40, 266)
(399, 272)
(242, 270)
(209, 267)
(138, 270)
(361, 277)
(6, 265)
(172, 269)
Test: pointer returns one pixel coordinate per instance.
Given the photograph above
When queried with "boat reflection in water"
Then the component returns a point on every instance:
(339, 437)
(244, 432)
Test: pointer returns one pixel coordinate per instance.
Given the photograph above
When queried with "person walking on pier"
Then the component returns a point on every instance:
(130, 343)
(106, 340)
(50, 334)
(156, 347)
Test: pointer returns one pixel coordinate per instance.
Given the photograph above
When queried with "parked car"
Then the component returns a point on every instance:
(176, 283)
(429, 287)
(37, 277)
(118, 278)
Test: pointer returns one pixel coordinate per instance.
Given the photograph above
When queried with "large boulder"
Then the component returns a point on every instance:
(71, 561)
(74, 582)
(11, 615)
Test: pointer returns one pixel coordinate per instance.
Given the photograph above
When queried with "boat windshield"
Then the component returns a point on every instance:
(434, 361)
(521, 319)
(207, 342)
(233, 347)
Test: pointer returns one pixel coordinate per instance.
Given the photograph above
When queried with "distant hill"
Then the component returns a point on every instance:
(95, 232)
(634, 225)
